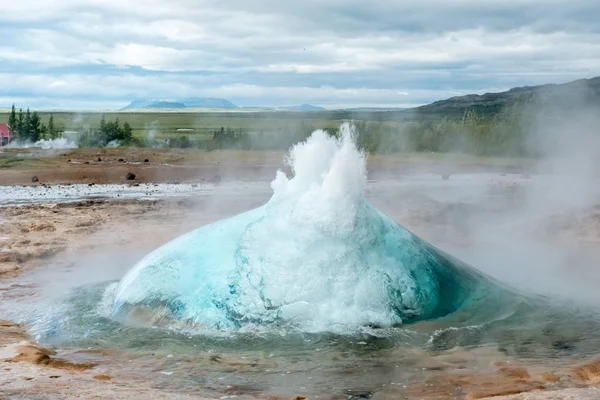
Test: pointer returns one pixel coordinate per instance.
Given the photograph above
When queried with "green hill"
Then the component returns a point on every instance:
(568, 95)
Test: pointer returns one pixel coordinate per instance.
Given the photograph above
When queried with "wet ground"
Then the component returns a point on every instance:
(485, 218)
(464, 188)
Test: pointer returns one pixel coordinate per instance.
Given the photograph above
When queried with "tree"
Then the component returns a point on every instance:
(20, 124)
(12, 119)
(126, 133)
(102, 123)
(34, 126)
(51, 129)
(43, 131)
(184, 142)
(27, 126)
(112, 131)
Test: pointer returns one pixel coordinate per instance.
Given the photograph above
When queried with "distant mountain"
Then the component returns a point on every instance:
(567, 95)
(258, 108)
(205, 102)
(208, 102)
(140, 103)
(166, 104)
(191, 102)
(376, 109)
(301, 107)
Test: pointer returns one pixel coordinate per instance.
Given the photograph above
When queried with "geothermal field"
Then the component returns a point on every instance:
(319, 273)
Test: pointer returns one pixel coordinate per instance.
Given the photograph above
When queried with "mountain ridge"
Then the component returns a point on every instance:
(189, 102)
(570, 94)
(580, 91)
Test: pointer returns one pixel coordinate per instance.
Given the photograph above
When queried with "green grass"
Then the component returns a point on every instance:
(22, 162)
(10, 162)
(165, 124)
(381, 132)
(197, 126)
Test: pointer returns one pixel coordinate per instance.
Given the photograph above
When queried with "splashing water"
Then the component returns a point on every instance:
(304, 295)
(317, 255)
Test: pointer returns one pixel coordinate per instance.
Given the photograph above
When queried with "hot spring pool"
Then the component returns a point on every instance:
(315, 294)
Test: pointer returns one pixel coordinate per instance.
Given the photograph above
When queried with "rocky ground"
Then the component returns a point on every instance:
(33, 235)
(106, 166)
(111, 165)
(30, 236)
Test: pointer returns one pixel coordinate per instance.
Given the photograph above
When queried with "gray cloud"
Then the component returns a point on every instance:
(271, 52)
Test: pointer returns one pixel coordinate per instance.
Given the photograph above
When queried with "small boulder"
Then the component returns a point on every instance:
(130, 176)
(121, 160)
(99, 159)
(35, 179)
(146, 160)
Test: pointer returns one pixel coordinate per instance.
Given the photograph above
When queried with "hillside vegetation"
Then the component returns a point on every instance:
(520, 122)
(567, 95)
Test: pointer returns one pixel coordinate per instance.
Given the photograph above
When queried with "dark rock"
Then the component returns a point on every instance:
(99, 159)
(353, 395)
(68, 160)
(563, 345)
(146, 160)
(121, 160)
(35, 179)
(87, 162)
(130, 176)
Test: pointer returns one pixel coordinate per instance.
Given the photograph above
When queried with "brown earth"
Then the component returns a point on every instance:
(30, 236)
(110, 165)
(149, 165)
(34, 234)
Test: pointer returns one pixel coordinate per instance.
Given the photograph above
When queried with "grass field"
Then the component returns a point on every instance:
(167, 124)
(378, 132)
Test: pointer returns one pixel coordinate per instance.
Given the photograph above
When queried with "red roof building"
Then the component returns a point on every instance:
(6, 134)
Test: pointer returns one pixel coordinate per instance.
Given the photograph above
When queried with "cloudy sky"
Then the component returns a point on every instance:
(84, 54)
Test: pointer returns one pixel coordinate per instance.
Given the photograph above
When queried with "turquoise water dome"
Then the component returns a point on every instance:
(316, 255)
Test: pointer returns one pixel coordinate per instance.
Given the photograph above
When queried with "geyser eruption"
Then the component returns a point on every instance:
(317, 254)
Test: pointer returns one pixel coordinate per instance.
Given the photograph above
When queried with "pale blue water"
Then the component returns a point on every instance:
(314, 293)
(316, 256)
(247, 270)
